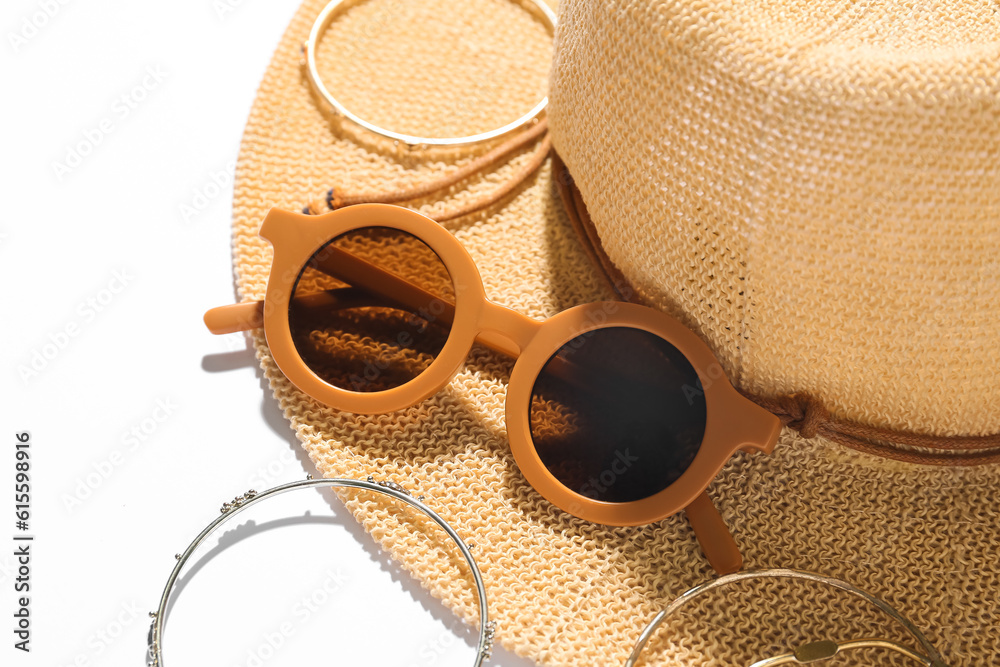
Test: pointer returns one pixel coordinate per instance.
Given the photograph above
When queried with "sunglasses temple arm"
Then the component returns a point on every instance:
(236, 317)
(354, 270)
(716, 541)
(249, 315)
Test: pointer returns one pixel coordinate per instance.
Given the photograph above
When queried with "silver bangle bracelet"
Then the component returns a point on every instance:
(812, 652)
(327, 16)
(229, 510)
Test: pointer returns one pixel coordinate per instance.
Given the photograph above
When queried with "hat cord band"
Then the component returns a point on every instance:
(335, 198)
(807, 415)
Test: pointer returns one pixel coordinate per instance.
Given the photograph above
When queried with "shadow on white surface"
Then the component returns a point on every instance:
(270, 411)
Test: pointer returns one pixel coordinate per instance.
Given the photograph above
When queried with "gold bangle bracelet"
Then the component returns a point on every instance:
(537, 8)
(813, 652)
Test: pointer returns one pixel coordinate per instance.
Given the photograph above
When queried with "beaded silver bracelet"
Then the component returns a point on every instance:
(487, 628)
(812, 652)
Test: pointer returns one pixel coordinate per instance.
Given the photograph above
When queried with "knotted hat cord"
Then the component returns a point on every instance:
(335, 198)
(800, 411)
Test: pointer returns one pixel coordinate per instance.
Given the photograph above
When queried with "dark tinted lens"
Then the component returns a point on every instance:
(371, 309)
(617, 414)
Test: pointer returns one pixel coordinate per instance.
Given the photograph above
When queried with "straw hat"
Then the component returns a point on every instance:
(814, 191)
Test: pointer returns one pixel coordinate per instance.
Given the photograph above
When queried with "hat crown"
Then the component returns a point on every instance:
(814, 188)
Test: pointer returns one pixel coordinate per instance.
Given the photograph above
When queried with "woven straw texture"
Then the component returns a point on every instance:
(565, 592)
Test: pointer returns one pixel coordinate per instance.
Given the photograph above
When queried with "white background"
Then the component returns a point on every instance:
(121, 125)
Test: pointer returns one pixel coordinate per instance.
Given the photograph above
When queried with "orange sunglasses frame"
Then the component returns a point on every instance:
(733, 422)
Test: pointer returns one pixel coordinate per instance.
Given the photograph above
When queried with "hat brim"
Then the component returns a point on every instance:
(564, 591)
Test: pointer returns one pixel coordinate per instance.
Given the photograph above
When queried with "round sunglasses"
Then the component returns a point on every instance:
(616, 413)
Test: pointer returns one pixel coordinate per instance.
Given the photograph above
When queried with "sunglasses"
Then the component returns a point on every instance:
(616, 413)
